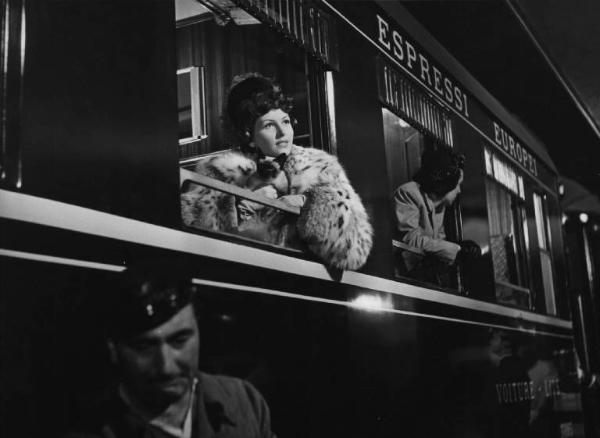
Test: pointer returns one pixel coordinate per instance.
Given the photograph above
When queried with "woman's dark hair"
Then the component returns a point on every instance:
(251, 95)
(440, 170)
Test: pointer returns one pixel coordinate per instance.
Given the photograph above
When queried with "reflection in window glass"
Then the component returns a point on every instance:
(507, 245)
(509, 240)
(545, 255)
(184, 105)
(191, 105)
(539, 220)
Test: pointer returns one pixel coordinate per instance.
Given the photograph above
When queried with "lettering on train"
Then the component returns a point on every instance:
(421, 66)
(512, 147)
(515, 392)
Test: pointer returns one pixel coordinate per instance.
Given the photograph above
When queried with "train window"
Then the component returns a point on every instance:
(191, 106)
(404, 145)
(508, 231)
(226, 51)
(544, 244)
(217, 41)
(413, 121)
(12, 52)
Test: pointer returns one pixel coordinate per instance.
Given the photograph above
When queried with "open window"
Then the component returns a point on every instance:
(222, 52)
(292, 42)
(413, 121)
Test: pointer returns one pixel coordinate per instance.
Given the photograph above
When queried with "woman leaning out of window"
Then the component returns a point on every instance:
(333, 223)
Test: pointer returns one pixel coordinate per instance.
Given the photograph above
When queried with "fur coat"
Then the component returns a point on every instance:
(333, 223)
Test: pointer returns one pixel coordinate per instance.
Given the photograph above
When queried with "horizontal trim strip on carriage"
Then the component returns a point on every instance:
(368, 306)
(41, 211)
(497, 107)
(60, 260)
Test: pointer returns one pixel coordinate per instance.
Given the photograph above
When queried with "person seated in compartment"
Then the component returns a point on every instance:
(333, 222)
(153, 340)
(420, 206)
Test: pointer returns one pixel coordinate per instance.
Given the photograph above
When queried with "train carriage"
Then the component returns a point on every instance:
(108, 106)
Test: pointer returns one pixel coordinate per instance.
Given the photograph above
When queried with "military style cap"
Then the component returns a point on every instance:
(145, 297)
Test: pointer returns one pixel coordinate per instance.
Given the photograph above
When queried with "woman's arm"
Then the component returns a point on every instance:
(211, 209)
(333, 222)
(408, 215)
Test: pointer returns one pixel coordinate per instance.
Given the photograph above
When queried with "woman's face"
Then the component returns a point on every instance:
(273, 133)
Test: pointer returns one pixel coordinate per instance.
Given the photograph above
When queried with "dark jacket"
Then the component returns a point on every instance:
(225, 407)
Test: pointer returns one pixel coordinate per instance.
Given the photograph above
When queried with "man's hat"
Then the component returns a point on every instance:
(144, 297)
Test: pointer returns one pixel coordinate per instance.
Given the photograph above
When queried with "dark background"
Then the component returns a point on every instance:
(488, 38)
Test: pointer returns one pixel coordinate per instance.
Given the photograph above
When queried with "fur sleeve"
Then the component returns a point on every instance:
(210, 209)
(333, 222)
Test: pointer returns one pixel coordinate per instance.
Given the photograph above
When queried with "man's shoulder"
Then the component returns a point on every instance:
(409, 191)
(224, 388)
(95, 419)
(410, 187)
(238, 401)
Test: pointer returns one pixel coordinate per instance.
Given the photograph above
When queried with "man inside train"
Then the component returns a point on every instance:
(154, 341)
(420, 207)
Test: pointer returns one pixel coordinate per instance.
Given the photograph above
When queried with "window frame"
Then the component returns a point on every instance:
(198, 113)
(497, 172)
(317, 79)
(551, 306)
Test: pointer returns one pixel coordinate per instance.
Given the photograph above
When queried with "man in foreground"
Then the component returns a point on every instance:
(154, 341)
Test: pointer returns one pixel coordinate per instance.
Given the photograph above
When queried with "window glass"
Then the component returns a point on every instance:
(541, 221)
(508, 232)
(184, 105)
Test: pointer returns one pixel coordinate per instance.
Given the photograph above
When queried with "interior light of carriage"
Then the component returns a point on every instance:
(583, 218)
(373, 303)
(565, 218)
